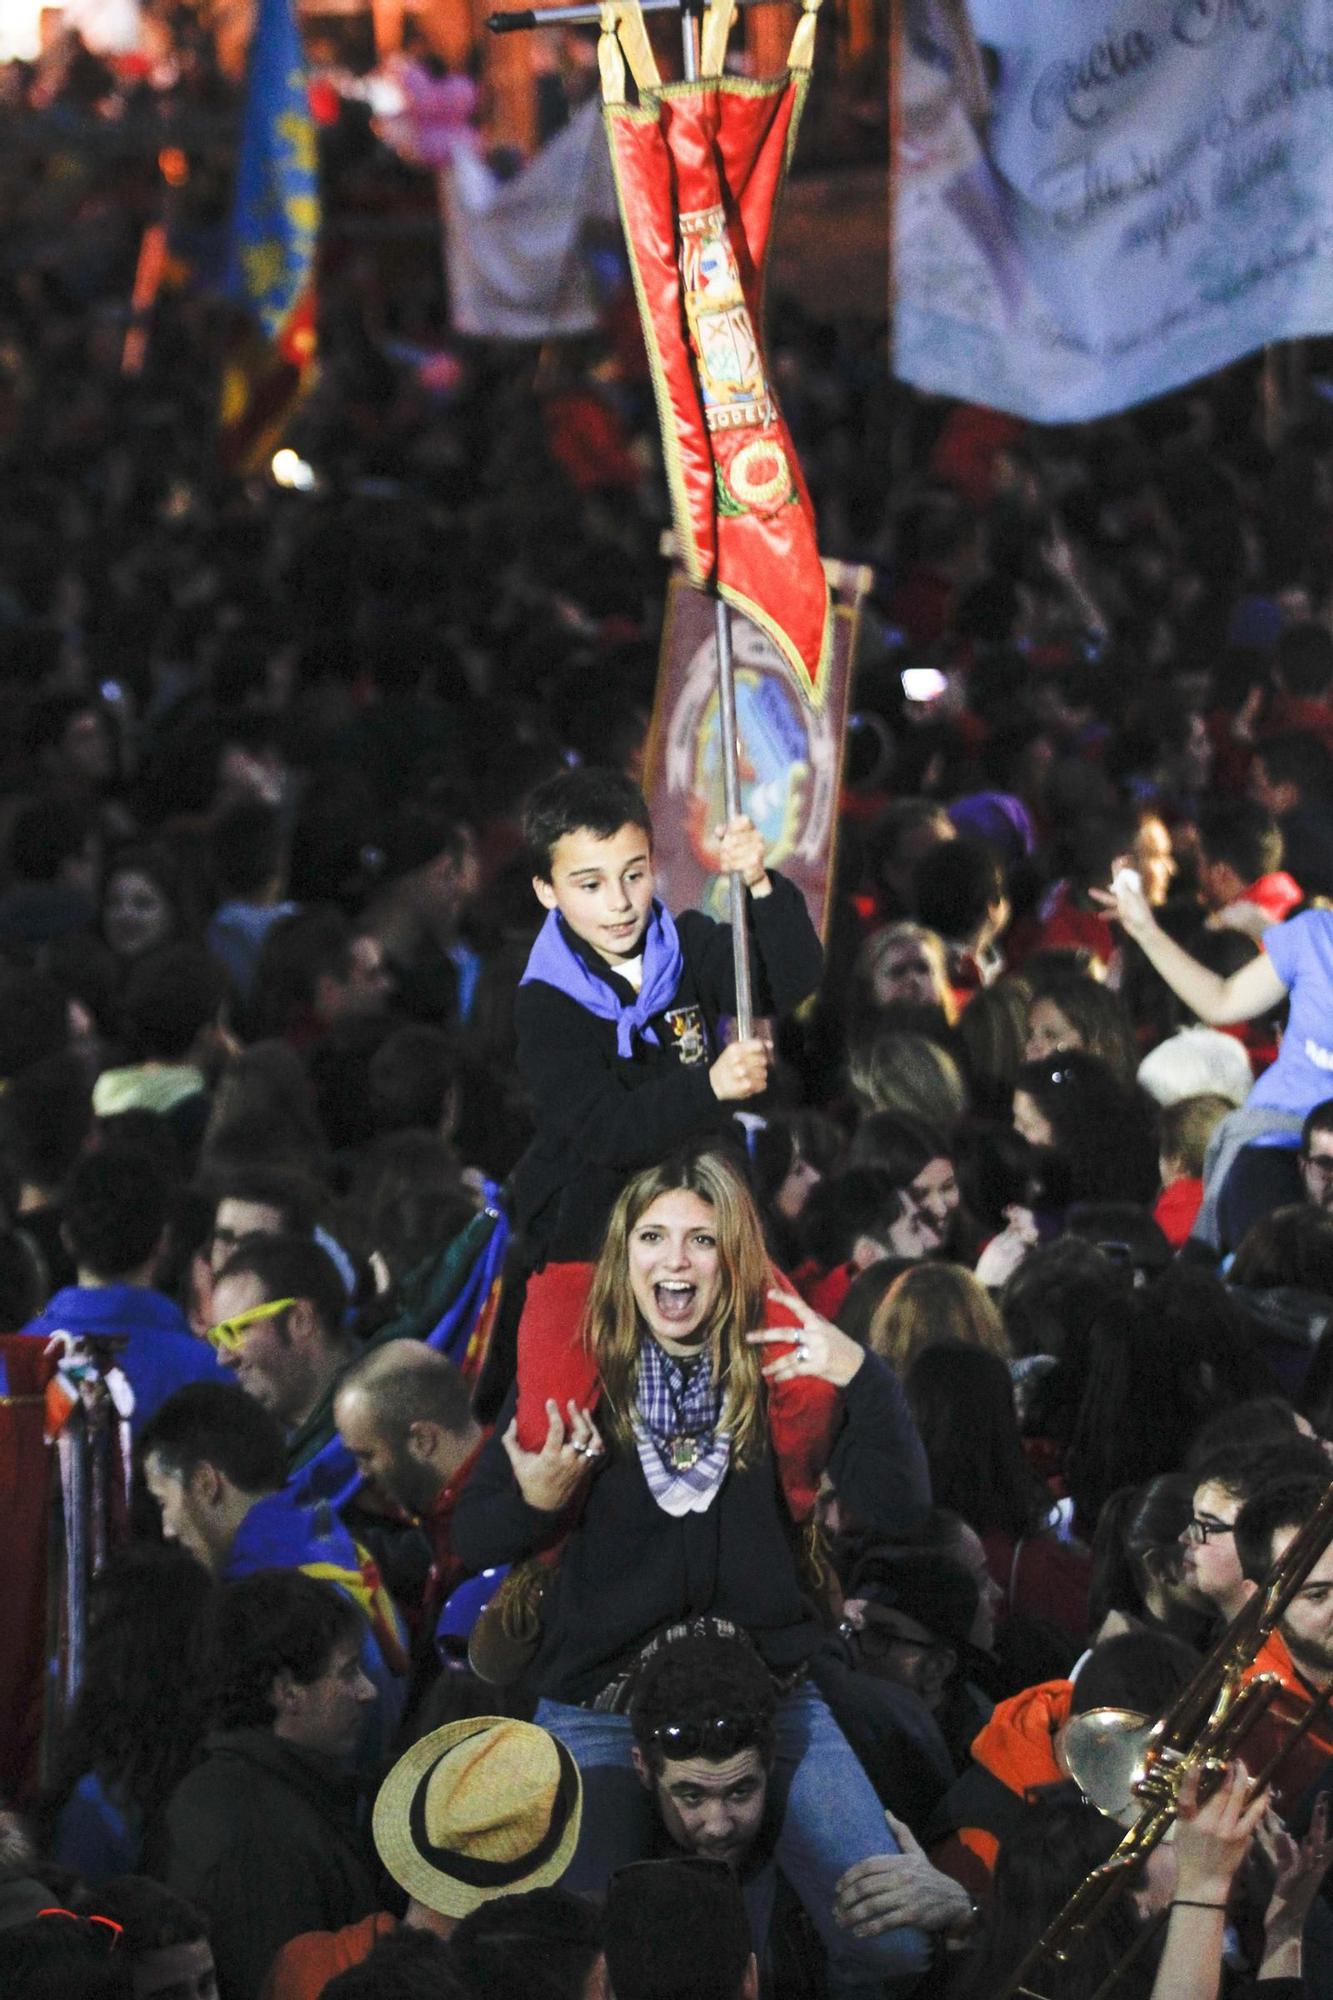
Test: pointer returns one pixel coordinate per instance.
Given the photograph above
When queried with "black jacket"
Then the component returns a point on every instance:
(600, 1116)
(630, 1568)
(262, 1837)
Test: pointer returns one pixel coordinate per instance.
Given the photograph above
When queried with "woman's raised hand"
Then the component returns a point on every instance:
(1125, 900)
(820, 1348)
(548, 1479)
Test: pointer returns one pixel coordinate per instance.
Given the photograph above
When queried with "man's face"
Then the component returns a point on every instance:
(602, 888)
(236, 1219)
(1317, 1170)
(185, 1518)
(326, 1714)
(713, 1809)
(181, 1972)
(894, 1647)
(1307, 1623)
(1211, 1566)
(398, 1469)
(268, 1365)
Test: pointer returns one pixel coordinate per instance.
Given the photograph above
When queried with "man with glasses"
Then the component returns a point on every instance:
(911, 1625)
(1316, 1156)
(702, 1707)
(280, 1325)
(1223, 1483)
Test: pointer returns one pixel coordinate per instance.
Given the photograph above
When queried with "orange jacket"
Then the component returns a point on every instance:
(1308, 1761)
(306, 1964)
(1014, 1754)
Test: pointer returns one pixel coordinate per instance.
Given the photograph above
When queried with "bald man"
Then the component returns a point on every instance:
(405, 1414)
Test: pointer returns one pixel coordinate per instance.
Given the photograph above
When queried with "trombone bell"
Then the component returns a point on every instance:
(1105, 1752)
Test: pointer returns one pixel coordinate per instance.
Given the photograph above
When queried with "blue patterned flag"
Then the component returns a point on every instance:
(275, 228)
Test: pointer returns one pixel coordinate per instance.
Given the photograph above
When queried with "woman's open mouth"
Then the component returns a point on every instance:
(675, 1301)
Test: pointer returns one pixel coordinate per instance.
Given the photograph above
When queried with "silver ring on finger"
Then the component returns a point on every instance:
(802, 1351)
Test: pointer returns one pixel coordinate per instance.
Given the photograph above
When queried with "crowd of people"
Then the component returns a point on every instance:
(842, 1413)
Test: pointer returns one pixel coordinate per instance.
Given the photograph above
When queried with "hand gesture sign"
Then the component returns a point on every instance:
(548, 1479)
(817, 1347)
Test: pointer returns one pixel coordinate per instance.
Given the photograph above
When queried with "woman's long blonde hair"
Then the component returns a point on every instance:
(613, 1332)
(930, 1303)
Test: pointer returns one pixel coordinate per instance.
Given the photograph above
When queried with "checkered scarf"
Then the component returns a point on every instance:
(674, 1400)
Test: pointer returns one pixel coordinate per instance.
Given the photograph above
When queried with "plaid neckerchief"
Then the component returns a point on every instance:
(678, 1401)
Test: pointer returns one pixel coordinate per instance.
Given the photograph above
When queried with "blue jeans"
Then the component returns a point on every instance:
(831, 1819)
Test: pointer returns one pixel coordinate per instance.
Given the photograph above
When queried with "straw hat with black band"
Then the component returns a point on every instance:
(481, 1808)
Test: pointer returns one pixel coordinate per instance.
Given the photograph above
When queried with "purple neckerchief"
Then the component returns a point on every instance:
(554, 961)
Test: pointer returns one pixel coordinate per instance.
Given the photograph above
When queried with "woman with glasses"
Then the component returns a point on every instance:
(669, 1487)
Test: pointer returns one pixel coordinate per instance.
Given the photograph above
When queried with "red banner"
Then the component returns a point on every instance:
(699, 168)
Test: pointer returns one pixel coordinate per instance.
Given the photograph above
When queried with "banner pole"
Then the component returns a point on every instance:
(726, 690)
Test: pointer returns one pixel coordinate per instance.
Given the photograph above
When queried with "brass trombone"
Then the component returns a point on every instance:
(1114, 1755)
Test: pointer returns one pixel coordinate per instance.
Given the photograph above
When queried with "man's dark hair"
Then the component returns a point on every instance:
(898, 819)
(117, 1204)
(1143, 1671)
(592, 800)
(405, 1387)
(1303, 661)
(955, 885)
(34, 1019)
(46, 1115)
(293, 1267)
(676, 1931)
(1284, 1503)
(862, 1201)
(152, 1917)
(216, 1423)
(45, 835)
(171, 996)
(296, 1202)
(274, 1621)
(248, 850)
(1298, 760)
(538, 1946)
(1241, 835)
(1241, 1469)
(411, 1076)
(1318, 1120)
(408, 1964)
(298, 951)
(698, 1681)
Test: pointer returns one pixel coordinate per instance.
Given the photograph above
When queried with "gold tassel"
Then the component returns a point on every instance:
(609, 59)
(803, 41)
(718, 17)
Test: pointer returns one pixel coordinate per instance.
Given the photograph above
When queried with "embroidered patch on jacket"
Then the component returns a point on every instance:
(688, 1034)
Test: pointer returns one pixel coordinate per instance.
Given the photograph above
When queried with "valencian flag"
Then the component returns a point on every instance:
(699, 168)
(275, 225)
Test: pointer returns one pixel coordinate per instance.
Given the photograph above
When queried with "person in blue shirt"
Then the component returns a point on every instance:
(117, 1206)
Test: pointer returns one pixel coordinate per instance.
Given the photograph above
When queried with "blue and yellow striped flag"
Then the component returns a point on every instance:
(275, 230)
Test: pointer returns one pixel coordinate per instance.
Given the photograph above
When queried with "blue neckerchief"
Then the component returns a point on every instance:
(554, 960)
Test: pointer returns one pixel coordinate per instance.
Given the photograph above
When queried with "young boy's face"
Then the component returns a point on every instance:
(602, 888)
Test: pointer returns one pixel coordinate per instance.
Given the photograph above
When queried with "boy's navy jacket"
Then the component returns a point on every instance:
(601, 1117)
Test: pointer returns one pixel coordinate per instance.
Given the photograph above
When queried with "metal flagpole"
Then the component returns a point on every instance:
(530, 17)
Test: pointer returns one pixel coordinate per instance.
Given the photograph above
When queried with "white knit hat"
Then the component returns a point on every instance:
(1197, 1062)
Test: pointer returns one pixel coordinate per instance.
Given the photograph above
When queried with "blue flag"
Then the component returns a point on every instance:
(275, 230)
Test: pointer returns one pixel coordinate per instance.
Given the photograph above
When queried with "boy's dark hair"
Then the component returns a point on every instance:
(1318, 1120)
(293, 1267)
(411, 1077)
(296, 953)
(295, 1201)
(698, 1681)
(274, 1620)
(216, 1423)
(596, 801)
(151, 1916)
(538, 1946)
(117, 1204)
(955, 885)
(171, 996)
(46, 1115)
(408, 1964)
(1284, 1503)
(1298, 760)
(863, 1201)
(676, 1931)
(34, 1019)
(45, 835)
(1239, 1468)
(1303, 661)
(1241, 835)
(248, 850)
(1143, 1671)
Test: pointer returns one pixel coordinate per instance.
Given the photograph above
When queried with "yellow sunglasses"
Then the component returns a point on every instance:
(229, 1334)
